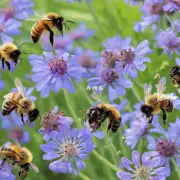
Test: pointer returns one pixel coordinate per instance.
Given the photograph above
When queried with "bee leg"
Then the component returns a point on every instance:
(8, 66)
(4, 160)
(109, 126)
(3, 63)
(150, 120)
(22, 118)
(164, 117)
(51, 35)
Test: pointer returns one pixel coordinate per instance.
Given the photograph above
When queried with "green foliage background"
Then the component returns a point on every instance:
(108, 18)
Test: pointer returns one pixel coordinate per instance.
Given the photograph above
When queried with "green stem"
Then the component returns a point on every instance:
(176, 167)
(83, 176)
(72, 111)
(106, 162)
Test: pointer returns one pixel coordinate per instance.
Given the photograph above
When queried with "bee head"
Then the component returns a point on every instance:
(147, 110)
(15, 55)
(33, 115)
(59, 23)
(174, 70)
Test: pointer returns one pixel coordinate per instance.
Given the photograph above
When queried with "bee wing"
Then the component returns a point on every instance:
(34, 167)
(161, 86)
(38, 15)
(9, 95)
(168, 96)
(147, 91)
(19, 86)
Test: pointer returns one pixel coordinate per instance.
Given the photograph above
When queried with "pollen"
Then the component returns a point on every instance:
(69, 150)
(86, 61)
(126, 57)
(166, 148)
(58, 65)
(109, 76)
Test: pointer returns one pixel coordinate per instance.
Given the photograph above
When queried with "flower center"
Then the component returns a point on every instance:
(172, 44)
(86, 62)
(49, 121)
(156, 8)
(70, 150)
(109, 76)
(166, 148)
(58, 65)
(110, 58)
(16, 133)
(9, 13)
(126, 56)
(142, 173)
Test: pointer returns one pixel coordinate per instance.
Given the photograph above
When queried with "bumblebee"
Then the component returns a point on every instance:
(51, 20)
(157, 102)
(97, 115)
(9, 52)
(19, 156)
(174, 73)
(18, 102)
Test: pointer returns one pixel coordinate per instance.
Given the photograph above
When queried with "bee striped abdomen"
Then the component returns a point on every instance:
(36, 31)
(7, 107)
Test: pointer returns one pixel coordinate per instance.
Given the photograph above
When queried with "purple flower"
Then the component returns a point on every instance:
(2, 85)
(145, 167)
(67, 149)
(54, 121)
(19, 9)
(64, 44)
(87, 60)
(53, 73)
(81, 32)
(168, 41)
(147, 21)
(171, 5)
(112, 80)
(129, 59)
(138, 129)
(8, 28)
(152, 7)
(176, 26)
(168, 145)
(5, 171)
(15, 128)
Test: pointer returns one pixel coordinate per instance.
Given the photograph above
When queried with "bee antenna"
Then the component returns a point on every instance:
(69, 21)
(66, 26)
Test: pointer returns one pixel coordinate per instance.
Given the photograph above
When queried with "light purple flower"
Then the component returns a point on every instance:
(130, 60)
(54, 121)
(67, 149)
(111, 79)
(81, 32)
(54, 72)
(8, 28)
(5, 171)
(87, 60)
(168, 145)
(79, 1)
(168, 41)
(18, 9)
(171, 5)
(145, 167)
(138, 129)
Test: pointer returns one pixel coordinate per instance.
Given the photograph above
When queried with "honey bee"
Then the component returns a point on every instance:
(9, 52)
(51, 20)
(175, 75)
(97, 115)
(19, 156)
(157, 102)
(18, 102)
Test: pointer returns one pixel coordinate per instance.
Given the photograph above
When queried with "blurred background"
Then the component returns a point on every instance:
(94, 22)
